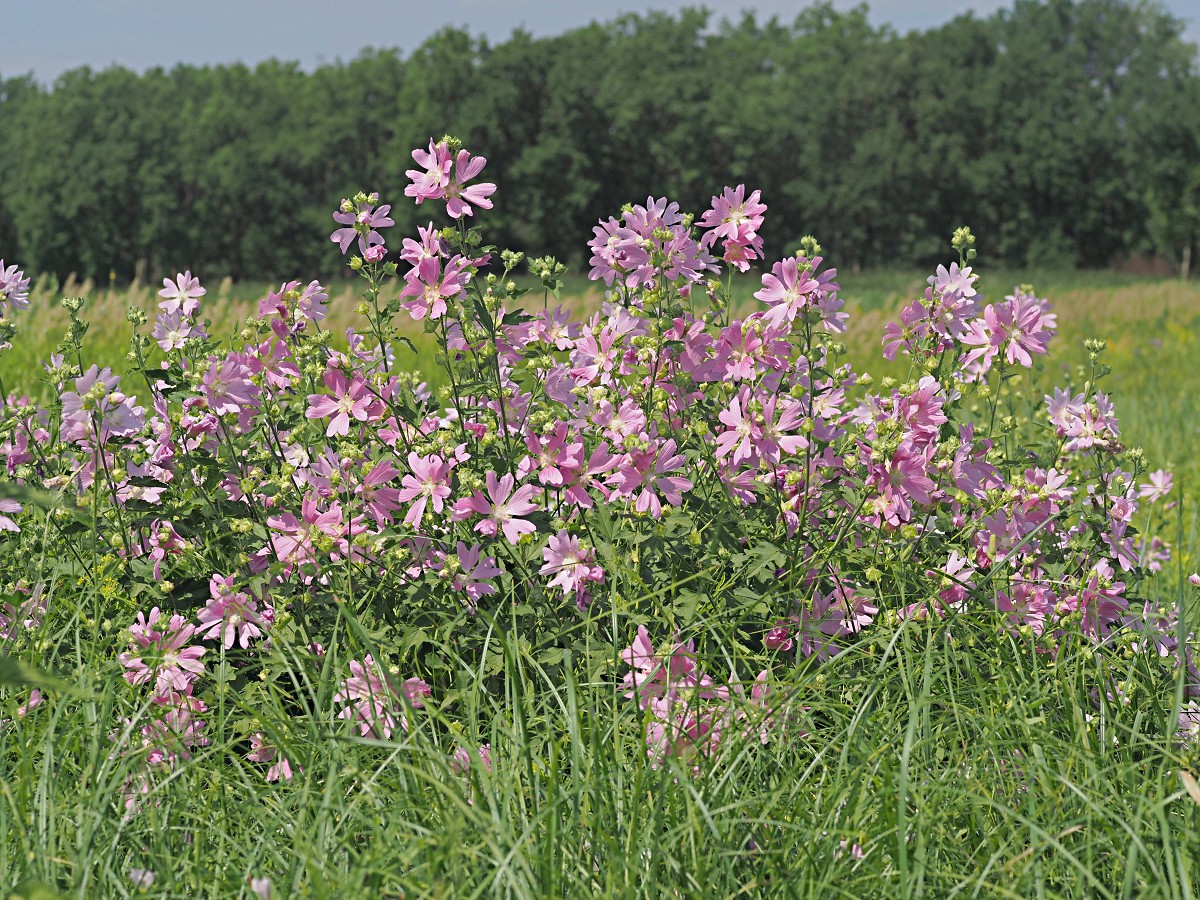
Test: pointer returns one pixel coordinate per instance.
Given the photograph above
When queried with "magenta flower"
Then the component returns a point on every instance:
(432, 287)
(380, 501)
(463, 759)
(230, 615)
(1158, 487)
(9, 507)
(172, 330)
(429, 482)
(644, 474)
(502, 508)
(444, 177)
(14, 288)
(371, 699)
(733, 216)
(262, 752)
(429, 182)
(459, 197)
(793, 286)
(470, 572)
(162, 653)
(96, 402)
(361, 221)
(431, 246)
(228, 386)
(349, 399)
(295, 540)
(571, 565)
(181, 295)
(1017, 327)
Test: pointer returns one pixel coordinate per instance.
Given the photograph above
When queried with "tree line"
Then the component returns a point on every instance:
(1063, 132)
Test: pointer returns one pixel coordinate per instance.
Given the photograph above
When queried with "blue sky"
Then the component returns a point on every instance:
(48, 37)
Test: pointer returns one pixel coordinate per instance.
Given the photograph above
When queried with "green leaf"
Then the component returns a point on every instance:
(15, 672)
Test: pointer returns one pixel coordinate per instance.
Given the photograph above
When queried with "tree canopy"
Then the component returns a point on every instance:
(1064, 130)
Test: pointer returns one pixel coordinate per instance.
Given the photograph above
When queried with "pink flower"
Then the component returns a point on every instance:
(262, 752)
(470, 572)
(1018, 327)
(228, 388)
(428, 483)
(793, 286)
(181, 295)
(162, 654)
(434, 181)
(571, 565)
(644, 474)
(230, 615)
(1159, 486)
(733, 216)
(295, 540)
(34, 701)
(459, 197)
(380, 501)
(9, 506)
(14, 288)
(361, 221)
(172, 330)
(96, 401)
(429, 182)
(502, 508)
(349, 399)
(432, 287)
(374, 703)
(463, 758)
(431, 246)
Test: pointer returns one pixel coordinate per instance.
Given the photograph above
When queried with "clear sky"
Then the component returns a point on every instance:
(47, 37)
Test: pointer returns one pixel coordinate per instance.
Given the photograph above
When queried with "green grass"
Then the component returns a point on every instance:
(960, 762)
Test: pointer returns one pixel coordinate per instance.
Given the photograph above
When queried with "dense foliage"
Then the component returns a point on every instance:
(269, 556)
(1066, 130)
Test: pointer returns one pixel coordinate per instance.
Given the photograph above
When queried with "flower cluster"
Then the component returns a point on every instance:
(669, 447)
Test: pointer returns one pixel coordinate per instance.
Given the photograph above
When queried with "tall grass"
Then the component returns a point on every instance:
(911, 769)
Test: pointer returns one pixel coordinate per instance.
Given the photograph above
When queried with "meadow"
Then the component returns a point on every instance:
(664, 597)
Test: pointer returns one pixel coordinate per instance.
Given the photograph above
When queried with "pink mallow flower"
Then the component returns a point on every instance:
(432, 287)
(349, 398)
(733, 216)
(793, 286)
(361, 221)
(97, 402)
(1159, 486)
(459, 197)
(572, 566)
(181, 295)
(374, 703)
(469, 571)
(262, 752)
(463, 759)
(9, 507)
(230, 615)
(162, 653)
(1018, 328)
(429, 182)
(14, 288)
(429, 483)
(503, 508)
(644, 474)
